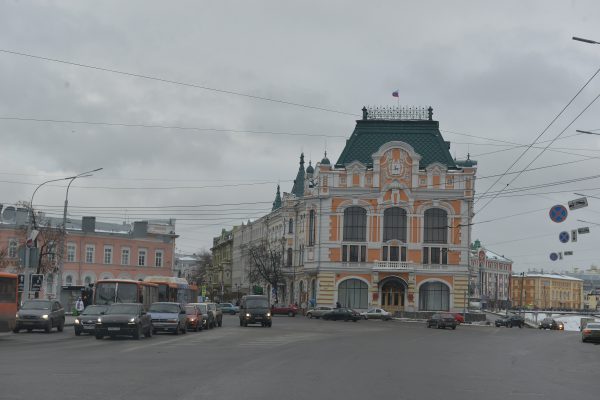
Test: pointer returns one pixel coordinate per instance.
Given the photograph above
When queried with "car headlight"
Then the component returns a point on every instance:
(76, 321)
(132, 320)
(268, 314)
(17, 315)
(192, 319)
(45, 316)
(99, 320)
(248, 315)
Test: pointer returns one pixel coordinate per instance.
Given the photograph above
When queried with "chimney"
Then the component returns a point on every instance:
(140, 228)
(88, 224)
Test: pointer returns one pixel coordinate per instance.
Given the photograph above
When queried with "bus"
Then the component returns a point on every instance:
(8, 301)
(109, 291)
(174, 289)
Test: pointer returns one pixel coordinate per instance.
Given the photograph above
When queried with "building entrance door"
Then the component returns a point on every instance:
(392, 296)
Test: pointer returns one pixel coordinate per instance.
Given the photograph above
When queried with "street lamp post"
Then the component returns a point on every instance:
(30, 221)
(61, 249)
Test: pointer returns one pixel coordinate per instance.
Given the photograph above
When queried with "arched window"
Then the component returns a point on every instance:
(436, 226)
(69, 280)
(352, 293)
(290, 226)
(311, 228)
(355, 224)
(394, 224)
(289, 257)
(434, 296)
(88, 280)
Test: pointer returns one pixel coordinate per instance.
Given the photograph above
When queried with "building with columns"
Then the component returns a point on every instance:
(490, 273)
(387, 225)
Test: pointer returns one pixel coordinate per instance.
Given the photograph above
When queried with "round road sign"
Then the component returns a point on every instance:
(553, 256)
(558, 213)
(564, 237)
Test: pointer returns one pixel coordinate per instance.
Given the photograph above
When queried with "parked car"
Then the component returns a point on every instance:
(124, 319)
(193, 318)
(254, 309)
(282, 309)
(208, 318)
(442, 321)
(168, 317)
(86, 322)
(510, 321)
(217, 314)
(345, 314)
(550, 323)
(228, 308)
(376, 313)
(318, 312)
(591, 332)
(40, 314)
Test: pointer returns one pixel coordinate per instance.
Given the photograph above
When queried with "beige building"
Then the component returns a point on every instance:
(546, 291)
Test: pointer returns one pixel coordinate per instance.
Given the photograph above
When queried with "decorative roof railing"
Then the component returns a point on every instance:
(397, 113)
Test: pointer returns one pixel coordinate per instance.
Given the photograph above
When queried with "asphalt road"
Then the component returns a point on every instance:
(300, 358)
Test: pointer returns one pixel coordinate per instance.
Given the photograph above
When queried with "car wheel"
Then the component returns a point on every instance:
(220, 323)
(61, 326)
(148, 333)
(453, 327)
(16, 329)
(241, 323)
(154, 331)
(184, 330)
(270, 324)
(309, 315)
(245, 324)
(196, 328)
(509, 325)
(176, 332)
(137, 333)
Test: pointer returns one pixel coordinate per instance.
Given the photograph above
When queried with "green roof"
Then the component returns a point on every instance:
(423, 135)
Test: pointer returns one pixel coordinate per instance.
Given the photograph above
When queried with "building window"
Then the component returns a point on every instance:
(142, 257)
(108, 254)
(434, 296)
(71, 252)
(393, 253)
(88, 280)
(125, 252)
(289, 257)
(89, 253)
(435, 255)
(51, 250)
(12, 248)
(354, 253)
(355, 224)
(158, 258)
(394, 224)
(290, 226)
(436, 226)
(311, 228)
(69, 280)
(353, 293)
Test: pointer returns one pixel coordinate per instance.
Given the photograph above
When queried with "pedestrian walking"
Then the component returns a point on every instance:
(79, 306)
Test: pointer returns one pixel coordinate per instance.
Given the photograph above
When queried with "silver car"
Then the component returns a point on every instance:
(591, 332)
(376, 313)
(318, 312)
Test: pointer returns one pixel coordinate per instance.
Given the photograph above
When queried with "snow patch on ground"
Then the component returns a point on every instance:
(571, 321)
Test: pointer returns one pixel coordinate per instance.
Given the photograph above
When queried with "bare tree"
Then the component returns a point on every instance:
(265, 264)
(200, 273)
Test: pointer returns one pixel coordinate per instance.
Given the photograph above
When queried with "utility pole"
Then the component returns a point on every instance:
(521, 300)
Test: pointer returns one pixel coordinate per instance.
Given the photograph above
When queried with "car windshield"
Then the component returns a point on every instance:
(227, 305)
(122, 309)
(164, 308)
(191, 310)
(36, 305)
(93, 310)
(257, 303)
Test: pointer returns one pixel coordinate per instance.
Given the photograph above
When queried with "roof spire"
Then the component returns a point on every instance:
(298, 188)
(277, 202)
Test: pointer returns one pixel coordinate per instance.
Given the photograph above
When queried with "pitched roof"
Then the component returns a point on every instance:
(423, 135)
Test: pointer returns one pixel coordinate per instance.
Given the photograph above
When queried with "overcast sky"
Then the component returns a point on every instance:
(495, 73)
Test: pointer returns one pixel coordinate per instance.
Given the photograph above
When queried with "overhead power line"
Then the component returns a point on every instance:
(179, 83)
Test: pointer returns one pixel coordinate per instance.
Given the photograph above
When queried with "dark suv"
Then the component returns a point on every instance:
(254, 309)
(510, 321)
(549, 323)
(40, 314)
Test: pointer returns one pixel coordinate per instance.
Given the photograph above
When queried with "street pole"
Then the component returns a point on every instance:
(61, 248)
(521, 300)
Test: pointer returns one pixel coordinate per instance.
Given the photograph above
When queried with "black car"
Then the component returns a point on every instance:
(40, 314)
(124, 319)
(510, 321)
(550, 323)
(86, 322)
(346, 314)
(442, 321)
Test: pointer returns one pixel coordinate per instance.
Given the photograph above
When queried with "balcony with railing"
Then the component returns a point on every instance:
(383, 266)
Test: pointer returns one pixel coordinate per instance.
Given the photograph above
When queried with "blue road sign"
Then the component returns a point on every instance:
(564, 237)
(553, 256)
(558, 213)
